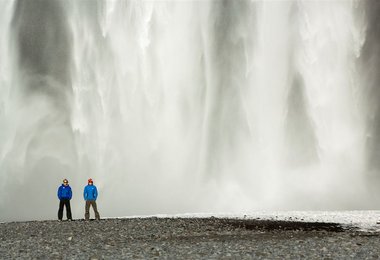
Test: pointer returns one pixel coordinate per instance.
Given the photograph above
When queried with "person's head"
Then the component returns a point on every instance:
(90, 182)
(65, 182)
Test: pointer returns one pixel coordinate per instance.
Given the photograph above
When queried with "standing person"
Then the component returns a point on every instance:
(90, 194)
(64, 196)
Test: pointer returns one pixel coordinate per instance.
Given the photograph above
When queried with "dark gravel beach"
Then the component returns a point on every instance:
(185, 238)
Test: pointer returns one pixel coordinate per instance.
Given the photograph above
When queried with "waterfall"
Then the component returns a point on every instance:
(187, 106)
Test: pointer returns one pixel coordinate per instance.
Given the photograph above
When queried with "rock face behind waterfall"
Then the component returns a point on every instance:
(370, 66)
(301, 140)
(42, 41)
(176, 238)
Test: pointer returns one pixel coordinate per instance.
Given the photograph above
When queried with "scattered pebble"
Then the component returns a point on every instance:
(176, 238)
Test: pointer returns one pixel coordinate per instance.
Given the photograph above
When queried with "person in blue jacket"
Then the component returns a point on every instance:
(64, 196)
(90, 195)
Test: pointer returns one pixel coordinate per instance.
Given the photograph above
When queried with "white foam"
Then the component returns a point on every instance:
(363, 220)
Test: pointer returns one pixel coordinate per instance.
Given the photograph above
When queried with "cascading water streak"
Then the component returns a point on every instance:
(184, 106)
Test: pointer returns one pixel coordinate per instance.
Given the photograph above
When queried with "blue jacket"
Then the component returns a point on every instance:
(90, 192)
(64, 192)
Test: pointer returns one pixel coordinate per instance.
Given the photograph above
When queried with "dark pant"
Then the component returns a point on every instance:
(66, 203)
(87, 209)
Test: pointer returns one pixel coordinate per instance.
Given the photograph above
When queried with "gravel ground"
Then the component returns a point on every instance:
(184, 238)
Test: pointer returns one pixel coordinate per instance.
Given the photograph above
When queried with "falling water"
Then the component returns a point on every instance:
(188, 106)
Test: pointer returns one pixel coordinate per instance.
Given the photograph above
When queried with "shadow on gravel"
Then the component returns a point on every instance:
(269, 225)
